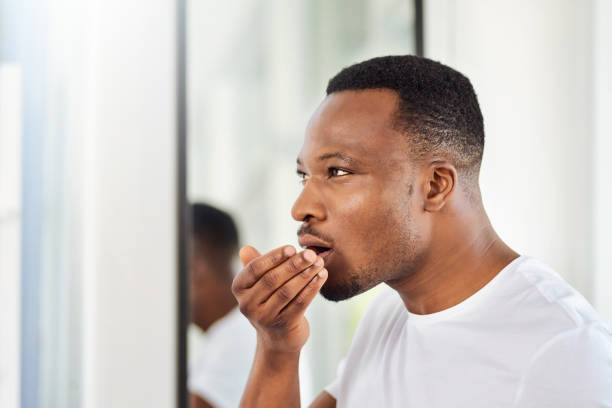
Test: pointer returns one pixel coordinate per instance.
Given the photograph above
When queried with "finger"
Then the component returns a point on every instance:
(259, 265)
(247, 254)
(277, 277)
(287, 292)
(299, 304)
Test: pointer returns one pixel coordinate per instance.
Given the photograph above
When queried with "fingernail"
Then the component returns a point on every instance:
(319, 261)
(309, 255)
(322, 273)
(288, 251)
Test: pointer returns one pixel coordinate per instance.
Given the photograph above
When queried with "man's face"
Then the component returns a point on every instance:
(359, 196)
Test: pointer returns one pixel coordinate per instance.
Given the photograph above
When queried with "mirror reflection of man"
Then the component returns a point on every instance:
(390, 167)
(222, 342)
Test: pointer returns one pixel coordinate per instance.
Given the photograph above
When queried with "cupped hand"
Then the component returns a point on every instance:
(274, 290)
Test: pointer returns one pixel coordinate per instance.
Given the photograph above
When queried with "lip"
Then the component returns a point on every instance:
(307, 241)
(325, 254)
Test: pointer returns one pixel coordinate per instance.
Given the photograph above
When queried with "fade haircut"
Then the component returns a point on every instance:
(438, 107)
(213, 227)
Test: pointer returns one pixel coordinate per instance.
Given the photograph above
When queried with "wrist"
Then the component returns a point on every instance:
(275, 358)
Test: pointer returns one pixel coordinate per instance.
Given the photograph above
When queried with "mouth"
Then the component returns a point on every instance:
(323, 252)
(320, 247)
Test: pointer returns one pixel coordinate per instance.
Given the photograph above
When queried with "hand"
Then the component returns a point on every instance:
(273, 292)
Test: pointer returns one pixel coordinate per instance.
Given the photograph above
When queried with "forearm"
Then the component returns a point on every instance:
(273, 292)
(274, 380)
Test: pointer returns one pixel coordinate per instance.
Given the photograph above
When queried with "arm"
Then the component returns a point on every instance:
(273, 292)
(195, 401)
(273, 380)
(324, 400)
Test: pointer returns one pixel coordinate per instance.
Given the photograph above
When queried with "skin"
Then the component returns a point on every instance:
(415, 225)
(210, 285)
(210, 292)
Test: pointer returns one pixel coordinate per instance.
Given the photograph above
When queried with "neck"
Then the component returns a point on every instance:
(467, 254)
(215, 307)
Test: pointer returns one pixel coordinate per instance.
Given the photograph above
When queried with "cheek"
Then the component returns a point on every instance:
(397, 220)
(355, 212)
(371, 222)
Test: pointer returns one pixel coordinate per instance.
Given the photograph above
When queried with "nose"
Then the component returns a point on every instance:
(309, 204)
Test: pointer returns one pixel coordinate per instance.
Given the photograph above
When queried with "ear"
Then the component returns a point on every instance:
(441, 180)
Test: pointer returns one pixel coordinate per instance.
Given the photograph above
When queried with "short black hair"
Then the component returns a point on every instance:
(213, 227)
(438, 105)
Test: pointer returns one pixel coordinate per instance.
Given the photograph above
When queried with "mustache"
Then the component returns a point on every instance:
(308, 229)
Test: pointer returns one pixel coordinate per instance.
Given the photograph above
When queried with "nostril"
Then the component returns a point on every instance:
(308, 206)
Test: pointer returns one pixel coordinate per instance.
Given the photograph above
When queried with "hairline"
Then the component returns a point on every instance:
(420, 154)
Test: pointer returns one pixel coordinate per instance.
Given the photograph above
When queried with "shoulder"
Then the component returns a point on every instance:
(571, 364)
(554, 299)
(577, 347)
(221, 371)
(572, 369)
(230, 341)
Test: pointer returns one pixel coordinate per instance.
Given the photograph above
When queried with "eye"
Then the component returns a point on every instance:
(303, 177)
(336, 172)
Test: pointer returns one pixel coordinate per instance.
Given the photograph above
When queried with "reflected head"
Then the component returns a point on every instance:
(215, 238)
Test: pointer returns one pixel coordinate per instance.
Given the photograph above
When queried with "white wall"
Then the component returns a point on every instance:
(129, 185)
(532, 65)
(602, 165)
(10, 233)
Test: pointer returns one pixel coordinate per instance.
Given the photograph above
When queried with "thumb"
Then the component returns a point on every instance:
(247, 254)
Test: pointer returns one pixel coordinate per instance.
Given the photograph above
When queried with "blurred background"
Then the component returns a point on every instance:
(115, 116)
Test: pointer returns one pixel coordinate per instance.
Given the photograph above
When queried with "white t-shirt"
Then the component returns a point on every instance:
(527, 339)
(223, 360)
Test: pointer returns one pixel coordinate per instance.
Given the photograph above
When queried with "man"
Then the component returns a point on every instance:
(390, 167)
(224, 353)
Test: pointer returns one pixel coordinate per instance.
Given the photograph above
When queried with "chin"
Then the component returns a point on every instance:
(337, 291)
(345, 282)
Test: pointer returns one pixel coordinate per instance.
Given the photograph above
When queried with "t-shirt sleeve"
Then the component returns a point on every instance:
(572, 370)
(334, 387)
(220, 374)
(209, 381)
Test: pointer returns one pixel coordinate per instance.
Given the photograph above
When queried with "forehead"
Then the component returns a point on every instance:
(357, 123)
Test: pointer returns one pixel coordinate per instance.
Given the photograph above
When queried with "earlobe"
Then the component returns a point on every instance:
(440, 185)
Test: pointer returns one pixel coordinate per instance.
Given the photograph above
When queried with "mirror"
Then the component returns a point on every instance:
(255, 72)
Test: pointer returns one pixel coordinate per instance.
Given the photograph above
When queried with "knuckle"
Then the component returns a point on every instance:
(244, 309)
(250, 270)
(276, 257)
(296, 263)
(300, 300)
(307, 273)
(269, 281)
(271, 260)
(283, 294)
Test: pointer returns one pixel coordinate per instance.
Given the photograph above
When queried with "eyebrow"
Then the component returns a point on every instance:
(338, 155)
